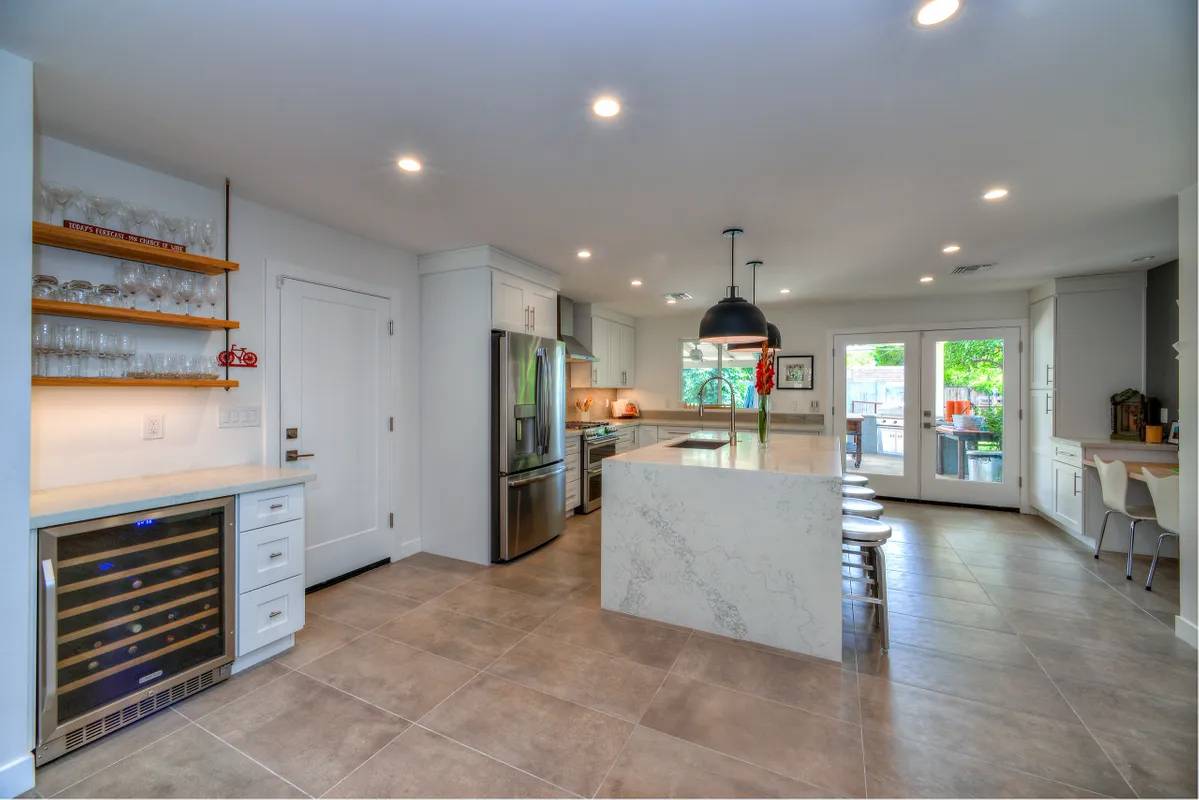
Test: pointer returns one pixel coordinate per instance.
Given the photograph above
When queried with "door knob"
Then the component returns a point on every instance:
(296, 455)
(928, 425)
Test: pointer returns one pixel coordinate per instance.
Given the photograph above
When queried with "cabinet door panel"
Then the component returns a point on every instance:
(601, 370)
(1041, 486)
(543, 307)
(1067, 495)
(1042, 316)
(628, 355)
(1040, 419)
(508, 307)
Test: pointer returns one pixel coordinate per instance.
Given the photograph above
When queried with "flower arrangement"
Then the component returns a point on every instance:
(764, 384)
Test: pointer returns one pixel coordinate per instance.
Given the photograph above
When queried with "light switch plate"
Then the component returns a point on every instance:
(1165, 416)
(240, 417)
(153, 426)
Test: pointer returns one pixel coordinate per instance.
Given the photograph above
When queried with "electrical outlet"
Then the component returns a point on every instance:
(239, 417)
(153, 426)
(1165, 416)
(814, 405)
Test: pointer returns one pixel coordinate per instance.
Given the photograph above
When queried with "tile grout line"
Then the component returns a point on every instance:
(187, 721)
(251, 758)
(369, 758)
(857, 689)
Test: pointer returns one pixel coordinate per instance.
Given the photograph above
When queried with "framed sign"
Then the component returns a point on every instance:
(795, 372)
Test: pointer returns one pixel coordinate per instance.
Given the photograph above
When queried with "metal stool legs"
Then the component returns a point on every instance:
(874, 575)
(1132, 539)
(880, 575)
(1157, 551)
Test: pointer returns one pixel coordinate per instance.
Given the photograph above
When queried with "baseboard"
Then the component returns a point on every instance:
(263, 653)
(408, 548)
(17, 776)
(1187, 631)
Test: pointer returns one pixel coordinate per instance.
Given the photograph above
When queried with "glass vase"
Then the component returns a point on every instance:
(763, 420)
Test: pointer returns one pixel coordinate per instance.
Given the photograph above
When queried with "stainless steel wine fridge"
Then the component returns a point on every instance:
(135, 612)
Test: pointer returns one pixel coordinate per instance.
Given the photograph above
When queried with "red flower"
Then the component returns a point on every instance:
(764, 373)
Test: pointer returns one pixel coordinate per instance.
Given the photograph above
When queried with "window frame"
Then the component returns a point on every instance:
(721, 363)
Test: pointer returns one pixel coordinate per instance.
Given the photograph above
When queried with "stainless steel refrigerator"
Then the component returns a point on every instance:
(528, 379)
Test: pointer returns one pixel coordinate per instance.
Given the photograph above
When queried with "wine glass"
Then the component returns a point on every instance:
(125, 217)
(96, 209)
(132, 279)
(214, 292)
(183, 289)
(208, 235)
(158, 282)
(126, 349)
(64, 197)
(173, 228)
(43, 346)
(60, 348)
(46, 196)
(141, 216)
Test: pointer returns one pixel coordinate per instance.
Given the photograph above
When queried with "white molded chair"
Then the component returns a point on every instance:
(1113, 479)
(1164, 492)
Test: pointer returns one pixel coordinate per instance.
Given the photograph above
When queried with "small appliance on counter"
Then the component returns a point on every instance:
(625, 409)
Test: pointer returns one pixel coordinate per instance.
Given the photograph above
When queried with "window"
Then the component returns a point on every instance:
(702, 360)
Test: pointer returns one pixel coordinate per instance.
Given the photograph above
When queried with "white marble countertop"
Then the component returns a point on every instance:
(106, 498)
(786, 453)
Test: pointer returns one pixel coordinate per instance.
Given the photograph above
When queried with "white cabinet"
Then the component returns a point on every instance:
(1040, 419)
(574, 489)
(614, 344)
(627, 350)
(1067, 495)
(1041, 483)
(626, 438)
(647, 435)
(1041, 356)
(523, 306)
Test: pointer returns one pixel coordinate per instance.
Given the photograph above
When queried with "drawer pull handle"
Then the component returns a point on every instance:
(274, 614)
(276, 506)
(276, 555)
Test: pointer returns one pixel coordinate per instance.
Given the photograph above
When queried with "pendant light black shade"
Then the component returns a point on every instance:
(734, 320)
(774, 338)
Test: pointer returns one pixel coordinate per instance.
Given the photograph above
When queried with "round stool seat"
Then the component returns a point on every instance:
(854, 479)
(861, 508)
(863, 530)
(858, 492)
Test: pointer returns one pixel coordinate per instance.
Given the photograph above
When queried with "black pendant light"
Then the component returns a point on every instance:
(774, 339)
(733, 320)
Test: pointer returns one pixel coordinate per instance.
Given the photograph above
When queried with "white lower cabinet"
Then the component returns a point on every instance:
(1041, 482)
(574, 489)
(647, 435)
(268, 614)
(1067, 495)
(270, 572)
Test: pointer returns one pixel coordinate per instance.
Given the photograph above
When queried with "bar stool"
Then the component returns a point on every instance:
(1113, 479)
(861, 508)
(868, 535)
(854, 479)
(858, 492)
(1164, 492)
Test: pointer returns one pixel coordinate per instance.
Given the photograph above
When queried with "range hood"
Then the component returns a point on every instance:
(575, 351)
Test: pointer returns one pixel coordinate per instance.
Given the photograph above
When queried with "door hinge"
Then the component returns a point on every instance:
(391, 327)
(1021, 349)
(391, 423)
(1022, 413)
(391, 519)
(1020, 483)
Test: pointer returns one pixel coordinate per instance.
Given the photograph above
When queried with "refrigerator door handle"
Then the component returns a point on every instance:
(50, 655)
(537, 478)
(545, 401)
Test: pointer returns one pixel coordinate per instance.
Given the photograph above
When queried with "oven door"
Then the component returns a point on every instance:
(598, 449)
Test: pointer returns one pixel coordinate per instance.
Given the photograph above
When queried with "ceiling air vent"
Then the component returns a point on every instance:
(677, 296)
(971, 269)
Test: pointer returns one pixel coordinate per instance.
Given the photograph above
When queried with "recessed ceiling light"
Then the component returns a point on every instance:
(409, 164)
(784, 291)
(1143, 259)
(635, 282)
(926, 279)
(934, 12)
(670, 301)
(606, 106)
(996, 193)
(951, 248)
(584, 254)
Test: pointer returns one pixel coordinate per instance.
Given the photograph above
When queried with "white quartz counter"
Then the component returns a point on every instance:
(1118, 444)
(785, 453)
(106, 498)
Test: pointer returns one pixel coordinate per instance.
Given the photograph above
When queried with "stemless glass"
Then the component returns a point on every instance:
(45, 287)
(60, 349)
(77, 292)
(126, 349)
(108, 295)
(158, 282)
(43, 346)
(132, 279)
(183, 290)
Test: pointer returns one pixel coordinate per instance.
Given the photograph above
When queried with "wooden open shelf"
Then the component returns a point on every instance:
(85, 242)
(183, 382)
(87, 311)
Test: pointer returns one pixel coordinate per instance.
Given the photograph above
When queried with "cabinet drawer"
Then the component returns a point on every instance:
(268, 614)
(1068, 453)
(269, 554)
(269, 506)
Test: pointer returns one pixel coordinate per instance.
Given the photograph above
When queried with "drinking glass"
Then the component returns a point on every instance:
(96, 208)
(125, 217)
(143, 366)
(132, 279)
(158, 282)
(183, 290)
(46, 196)
(43, 346)
(108, 295)
(173, 228)
(60, 349)
(142, 216)
(213, 293)
(208, 235)
(85, 349)
(45, 287)
(155, 224)
(126, 349)
(64, 197)
(77, 292)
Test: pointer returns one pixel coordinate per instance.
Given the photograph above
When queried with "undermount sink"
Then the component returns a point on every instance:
(699, 444)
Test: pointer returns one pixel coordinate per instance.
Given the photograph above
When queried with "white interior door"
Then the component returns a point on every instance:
(970, 434)
(334, 371)
(876, 408)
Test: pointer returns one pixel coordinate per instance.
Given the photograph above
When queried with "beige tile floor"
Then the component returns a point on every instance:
(1019, 666)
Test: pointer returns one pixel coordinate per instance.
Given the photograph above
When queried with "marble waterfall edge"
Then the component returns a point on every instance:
(752, 555)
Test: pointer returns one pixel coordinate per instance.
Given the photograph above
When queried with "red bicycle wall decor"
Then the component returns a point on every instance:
(237, 357)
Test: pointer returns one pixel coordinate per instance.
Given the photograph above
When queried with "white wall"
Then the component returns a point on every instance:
(16, 546)
(83, 435)
(1188, 412)
(805, 329)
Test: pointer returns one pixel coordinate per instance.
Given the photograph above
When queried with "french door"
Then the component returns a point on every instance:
(924, 413)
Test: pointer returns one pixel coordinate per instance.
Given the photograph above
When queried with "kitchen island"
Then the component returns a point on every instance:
(737, 540)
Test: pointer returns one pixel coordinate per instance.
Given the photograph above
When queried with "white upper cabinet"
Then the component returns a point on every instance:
(523, 306)
(628, 355)
(615, 347)
(1041, 314)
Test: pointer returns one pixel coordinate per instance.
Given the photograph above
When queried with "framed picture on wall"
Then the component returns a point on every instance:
(795, 372)
(1173, 437)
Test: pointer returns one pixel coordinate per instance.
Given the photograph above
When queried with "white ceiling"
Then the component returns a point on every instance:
(849, 144)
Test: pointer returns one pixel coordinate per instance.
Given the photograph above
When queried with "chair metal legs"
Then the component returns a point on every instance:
(1157, 551)
(1132, 540)
(1102, 528)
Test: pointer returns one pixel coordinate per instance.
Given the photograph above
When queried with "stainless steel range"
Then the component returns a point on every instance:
(599, 442)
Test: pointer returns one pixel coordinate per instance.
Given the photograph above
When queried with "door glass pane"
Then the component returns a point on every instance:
(968, 385)
(874, 403)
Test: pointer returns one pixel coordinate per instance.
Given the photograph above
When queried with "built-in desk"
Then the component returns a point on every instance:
(1134, 468)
